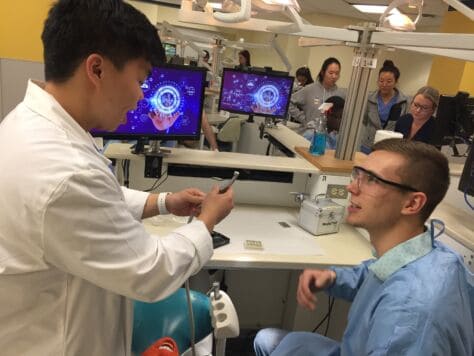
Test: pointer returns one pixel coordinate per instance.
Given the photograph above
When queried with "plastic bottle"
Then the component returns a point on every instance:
(318, 143)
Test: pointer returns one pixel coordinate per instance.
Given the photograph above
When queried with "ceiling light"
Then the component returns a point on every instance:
(278, 2)
(215, 5)
(399, 22)
(373, 9)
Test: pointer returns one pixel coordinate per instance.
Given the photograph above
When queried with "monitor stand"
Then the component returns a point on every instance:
(452, 141)
(153, 149)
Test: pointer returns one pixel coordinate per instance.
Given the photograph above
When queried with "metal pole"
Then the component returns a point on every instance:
(356, 100)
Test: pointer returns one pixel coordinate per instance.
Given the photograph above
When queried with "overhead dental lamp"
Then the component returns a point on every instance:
(398, 21)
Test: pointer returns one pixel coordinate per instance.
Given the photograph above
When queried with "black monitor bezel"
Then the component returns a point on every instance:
(452, 119)
(163, 137)
(261, 73)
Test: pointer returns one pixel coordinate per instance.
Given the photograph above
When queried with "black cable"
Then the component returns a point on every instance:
(126, 172)
(156, 184)
(326, 317)
(331, 304)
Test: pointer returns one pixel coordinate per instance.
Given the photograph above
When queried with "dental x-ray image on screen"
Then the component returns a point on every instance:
(255, 93)
(171, 107)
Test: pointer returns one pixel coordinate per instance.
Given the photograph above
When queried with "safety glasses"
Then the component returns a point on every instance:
(363, 177)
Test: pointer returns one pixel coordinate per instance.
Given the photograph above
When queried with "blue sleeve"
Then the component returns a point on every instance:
(348, 281)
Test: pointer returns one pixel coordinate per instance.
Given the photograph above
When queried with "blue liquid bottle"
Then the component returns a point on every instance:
(318, 143)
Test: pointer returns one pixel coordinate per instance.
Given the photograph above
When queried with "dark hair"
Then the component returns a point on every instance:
(75, 29)
(246, 55)
(206, 54)
(325, 66)
(388, 66)
(334, 116)
(337, 102)
(305, 72)
(420, 159)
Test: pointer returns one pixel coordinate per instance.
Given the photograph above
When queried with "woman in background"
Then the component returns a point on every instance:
(303, 78)
(244, 60)
(419, 124)
(384, 106)
(304, 103)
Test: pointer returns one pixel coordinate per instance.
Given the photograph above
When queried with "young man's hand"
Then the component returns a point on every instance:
(311, 281)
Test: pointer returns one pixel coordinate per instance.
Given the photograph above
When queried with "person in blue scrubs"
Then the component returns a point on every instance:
(416, 297)
(419, 123)
(384, 106)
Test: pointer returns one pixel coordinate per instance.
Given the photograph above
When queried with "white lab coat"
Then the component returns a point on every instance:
(72, 248)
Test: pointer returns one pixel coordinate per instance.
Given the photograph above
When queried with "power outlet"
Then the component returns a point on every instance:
(336, 191)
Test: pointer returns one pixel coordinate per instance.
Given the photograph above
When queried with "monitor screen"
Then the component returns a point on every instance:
(255, 93)
(454, 119)
(466, 183)
(171, 107)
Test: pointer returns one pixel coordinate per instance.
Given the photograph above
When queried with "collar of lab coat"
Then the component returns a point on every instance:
(44, 104)
(401, 255)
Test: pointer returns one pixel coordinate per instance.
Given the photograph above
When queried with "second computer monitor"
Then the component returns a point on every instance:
(255, 93)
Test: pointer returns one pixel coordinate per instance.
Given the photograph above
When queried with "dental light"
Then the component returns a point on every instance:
(397, 20)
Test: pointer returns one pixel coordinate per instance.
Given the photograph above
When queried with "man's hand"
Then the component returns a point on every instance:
(216, 206)
(311, 281)
(185, 202)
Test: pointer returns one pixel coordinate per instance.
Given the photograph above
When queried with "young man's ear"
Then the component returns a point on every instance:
(94, 67)
(414, 203)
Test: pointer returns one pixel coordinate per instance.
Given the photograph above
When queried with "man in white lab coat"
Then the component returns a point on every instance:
(72, 249)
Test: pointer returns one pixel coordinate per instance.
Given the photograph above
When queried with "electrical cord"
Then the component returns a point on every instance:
(467, 201)
(155, 185)
(188, 298)
(327, 317)
(191, 317)
(126, 172)
(331, 304)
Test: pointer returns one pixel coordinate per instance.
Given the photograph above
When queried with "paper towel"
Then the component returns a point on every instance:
(384, 134)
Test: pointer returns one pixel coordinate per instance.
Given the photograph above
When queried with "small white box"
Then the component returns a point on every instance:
(320, 217)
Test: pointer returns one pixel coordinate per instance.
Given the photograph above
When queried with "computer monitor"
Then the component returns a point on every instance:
(454, 120)
(171, 108)
(255, 93)
(466, 183)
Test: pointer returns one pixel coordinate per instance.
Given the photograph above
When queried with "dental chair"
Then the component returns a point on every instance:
(213, 315)
(230, 132)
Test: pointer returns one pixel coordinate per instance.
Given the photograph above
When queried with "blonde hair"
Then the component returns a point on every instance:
(429, 93)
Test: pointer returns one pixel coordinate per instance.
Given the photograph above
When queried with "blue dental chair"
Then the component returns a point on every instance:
(169, 318)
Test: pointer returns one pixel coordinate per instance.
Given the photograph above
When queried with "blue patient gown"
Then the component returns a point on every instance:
(417, 299)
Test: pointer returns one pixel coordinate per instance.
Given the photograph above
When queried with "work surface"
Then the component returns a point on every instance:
(218, 159)
(283, 247)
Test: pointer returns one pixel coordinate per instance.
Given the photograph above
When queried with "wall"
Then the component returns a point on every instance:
(14, 75)
(21, 50)
(20, 37)
(451, 75)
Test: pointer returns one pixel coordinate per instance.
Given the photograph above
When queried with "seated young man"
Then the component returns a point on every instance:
(416, 297)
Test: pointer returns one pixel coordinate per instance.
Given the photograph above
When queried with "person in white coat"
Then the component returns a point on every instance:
(73, 253)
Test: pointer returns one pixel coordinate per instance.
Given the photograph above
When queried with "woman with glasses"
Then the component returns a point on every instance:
(384, 106)
(419, 124)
